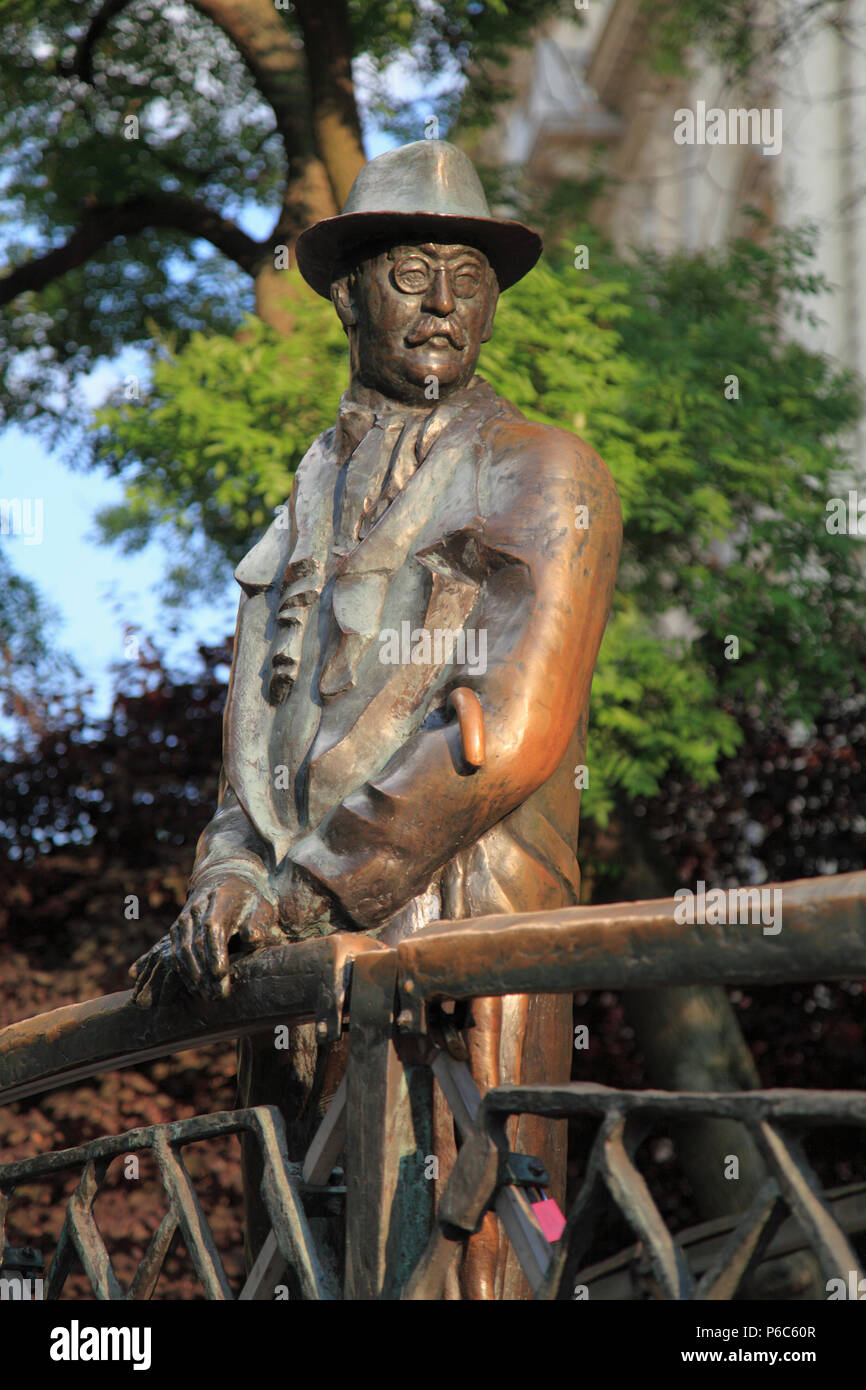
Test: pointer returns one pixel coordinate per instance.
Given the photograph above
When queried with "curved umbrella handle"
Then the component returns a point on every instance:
(470, 717)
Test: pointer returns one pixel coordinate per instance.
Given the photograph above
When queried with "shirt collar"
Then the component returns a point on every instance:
(362, 407)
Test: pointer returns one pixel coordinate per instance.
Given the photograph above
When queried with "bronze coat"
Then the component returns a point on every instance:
(349, 766)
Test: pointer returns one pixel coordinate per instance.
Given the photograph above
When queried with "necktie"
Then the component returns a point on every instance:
(384, 447)
(402, 463)
(379, 467)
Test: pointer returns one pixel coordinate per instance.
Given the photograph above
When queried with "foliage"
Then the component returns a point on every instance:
(789, 805)
(723, 503)
(209, 131)
(723, 499)
(138, 784)
(221, 133)
(743, 36)
(439, 45)
(212, 446)
(33, 672)
(100, 823)
(203, 131)
(215, 129)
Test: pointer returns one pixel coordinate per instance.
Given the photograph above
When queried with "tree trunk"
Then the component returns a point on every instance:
(313, 99)
(329, 51)
(307, 198)
(276, 294)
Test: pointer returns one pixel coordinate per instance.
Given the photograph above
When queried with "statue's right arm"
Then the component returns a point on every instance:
(230, 845)
(231, 901)
(229, 895)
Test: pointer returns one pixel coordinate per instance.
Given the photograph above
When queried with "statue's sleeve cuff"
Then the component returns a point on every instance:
(228, 868)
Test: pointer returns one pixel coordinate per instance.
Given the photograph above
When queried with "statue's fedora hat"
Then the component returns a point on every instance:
(428, 190)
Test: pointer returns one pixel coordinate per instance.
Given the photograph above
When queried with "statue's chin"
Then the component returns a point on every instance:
(410, 378)
(438, 359)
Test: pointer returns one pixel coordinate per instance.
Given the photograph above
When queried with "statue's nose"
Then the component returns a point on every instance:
(439, 299)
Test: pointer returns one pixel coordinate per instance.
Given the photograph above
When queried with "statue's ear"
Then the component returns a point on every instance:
(342, 302)
(493, 300)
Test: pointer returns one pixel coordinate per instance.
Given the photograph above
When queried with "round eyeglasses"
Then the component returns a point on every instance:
(415, 275)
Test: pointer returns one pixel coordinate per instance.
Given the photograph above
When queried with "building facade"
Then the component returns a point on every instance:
(685, 158)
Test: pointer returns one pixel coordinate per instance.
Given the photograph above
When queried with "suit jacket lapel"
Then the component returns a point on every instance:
(360, 583)
(282, 577)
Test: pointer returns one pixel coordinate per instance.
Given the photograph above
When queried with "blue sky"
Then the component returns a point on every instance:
(97, 589)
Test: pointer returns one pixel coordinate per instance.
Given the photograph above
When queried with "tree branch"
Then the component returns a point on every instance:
(102, 223)
(320, 135)
(81, 63)
(275, 61)
(267, 47)
(329, 51)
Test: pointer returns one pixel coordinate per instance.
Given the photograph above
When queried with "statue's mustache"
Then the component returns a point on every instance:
(430, 327)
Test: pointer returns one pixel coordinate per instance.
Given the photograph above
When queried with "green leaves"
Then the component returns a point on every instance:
(740, 37)
(654, 710)
(66, 145)
(211, 447)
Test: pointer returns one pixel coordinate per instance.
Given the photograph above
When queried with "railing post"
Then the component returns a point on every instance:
(389, 1204)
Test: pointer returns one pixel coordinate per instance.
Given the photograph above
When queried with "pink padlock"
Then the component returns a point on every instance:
(549, 1218)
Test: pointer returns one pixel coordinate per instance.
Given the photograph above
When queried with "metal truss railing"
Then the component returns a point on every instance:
(628, 1275)
(390, 999)
(777, 1120)
(80, 1238)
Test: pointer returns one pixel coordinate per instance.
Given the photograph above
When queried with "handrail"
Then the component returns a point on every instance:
(822, 934)
(618, 946)
(636, 945)
(287, 984)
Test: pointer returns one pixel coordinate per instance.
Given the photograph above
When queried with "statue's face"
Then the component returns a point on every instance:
(417, 315)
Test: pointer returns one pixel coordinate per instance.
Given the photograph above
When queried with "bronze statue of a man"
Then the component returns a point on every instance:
(414, 651)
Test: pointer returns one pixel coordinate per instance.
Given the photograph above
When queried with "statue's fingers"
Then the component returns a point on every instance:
(142, 973)
(145, 993)
(247, 925)
(214, 927)
(142, 997)
(216, 952)
(253, 936)
(258, 925)
(144, 960)
(183, 956)
(192, 948)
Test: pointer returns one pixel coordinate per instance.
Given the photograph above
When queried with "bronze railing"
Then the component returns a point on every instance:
(386, 997)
